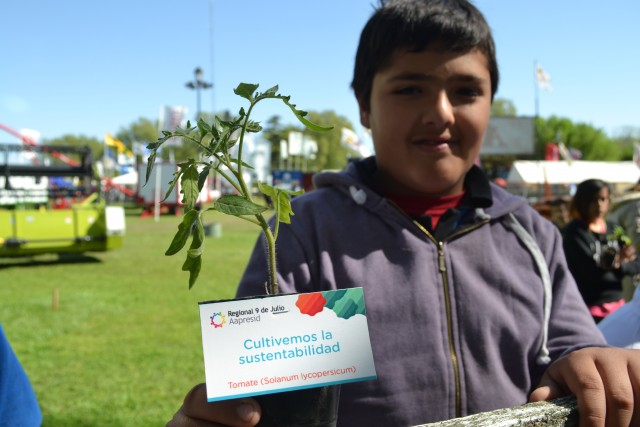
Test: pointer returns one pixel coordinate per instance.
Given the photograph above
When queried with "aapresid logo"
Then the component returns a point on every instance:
(218, 320)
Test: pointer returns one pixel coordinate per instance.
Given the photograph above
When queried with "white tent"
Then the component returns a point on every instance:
(130, 178)
(563, 172)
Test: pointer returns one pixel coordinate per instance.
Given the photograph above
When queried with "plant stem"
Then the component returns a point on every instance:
(271, 241)
(271, 254)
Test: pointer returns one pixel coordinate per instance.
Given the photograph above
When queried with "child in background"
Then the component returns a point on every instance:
(596, 259)
(470, 304)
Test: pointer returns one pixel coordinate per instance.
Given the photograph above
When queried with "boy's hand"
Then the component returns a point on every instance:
(197, 412)
(604, 381)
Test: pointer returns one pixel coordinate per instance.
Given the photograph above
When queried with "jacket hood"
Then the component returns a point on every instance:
(355, 180)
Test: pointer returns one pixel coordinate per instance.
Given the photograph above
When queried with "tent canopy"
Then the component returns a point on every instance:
(130, 178)
(574, 172)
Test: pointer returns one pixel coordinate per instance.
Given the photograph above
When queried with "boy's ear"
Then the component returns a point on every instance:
(364, 114)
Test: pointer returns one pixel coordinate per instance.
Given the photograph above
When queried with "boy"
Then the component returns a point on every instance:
(470, 304)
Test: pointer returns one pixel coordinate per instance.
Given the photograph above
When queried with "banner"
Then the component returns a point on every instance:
(170, 119)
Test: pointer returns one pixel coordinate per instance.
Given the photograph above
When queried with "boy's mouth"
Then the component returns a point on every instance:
(432, 142)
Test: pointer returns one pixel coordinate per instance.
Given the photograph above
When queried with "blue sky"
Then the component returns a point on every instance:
(90, 68)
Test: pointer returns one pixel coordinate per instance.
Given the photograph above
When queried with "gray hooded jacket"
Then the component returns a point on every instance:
(458, 326)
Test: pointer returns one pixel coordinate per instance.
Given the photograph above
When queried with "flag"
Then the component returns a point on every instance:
(636, 153)
(351, 140)
(543, 79)
(110, 141)
(564, 152)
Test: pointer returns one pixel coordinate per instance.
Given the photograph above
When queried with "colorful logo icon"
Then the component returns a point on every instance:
(344, 302)
(218, 320)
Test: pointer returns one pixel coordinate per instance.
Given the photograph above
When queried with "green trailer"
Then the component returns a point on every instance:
(33, 218)
(82, 228)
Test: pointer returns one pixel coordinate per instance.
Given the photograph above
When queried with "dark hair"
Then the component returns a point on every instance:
(416, 25)
(586, 192)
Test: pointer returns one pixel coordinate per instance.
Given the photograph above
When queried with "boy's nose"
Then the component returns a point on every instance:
(438, 111)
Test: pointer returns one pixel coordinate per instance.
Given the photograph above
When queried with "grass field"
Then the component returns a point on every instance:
(123, 347)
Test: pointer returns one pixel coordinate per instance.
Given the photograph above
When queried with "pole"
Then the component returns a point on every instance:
(198, 84)
(157, 193)
(536, 88)
(197, 102)
(213, 98)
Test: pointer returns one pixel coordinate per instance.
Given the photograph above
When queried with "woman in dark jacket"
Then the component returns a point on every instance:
(597, 258)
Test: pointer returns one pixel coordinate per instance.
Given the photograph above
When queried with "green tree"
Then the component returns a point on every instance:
(626, 140)
(592, 142)
(502, 107)
(68, 140)
(142, 131)
(331, 153)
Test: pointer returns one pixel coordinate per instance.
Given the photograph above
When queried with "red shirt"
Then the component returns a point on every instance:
(420, 206)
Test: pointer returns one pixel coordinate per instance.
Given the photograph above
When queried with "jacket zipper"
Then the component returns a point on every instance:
(442, 267)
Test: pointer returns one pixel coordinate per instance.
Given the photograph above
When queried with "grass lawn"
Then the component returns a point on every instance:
(123, 347)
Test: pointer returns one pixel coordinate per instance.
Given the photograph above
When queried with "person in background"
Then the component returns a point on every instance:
(597, 257)
(470, 304)
(622, 328)
(625, 210)
(18, 404)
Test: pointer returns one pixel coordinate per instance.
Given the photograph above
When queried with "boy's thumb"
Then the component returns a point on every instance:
(547, 390)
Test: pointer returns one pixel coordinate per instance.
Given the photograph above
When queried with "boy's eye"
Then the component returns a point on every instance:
(469, 92)
(407, 90)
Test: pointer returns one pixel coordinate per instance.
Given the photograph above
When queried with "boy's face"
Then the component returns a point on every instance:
(427, 113)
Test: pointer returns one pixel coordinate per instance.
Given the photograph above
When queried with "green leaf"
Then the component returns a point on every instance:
(246, 90)
(189, 185)
(172, 183)
(232, 204)
(214, 129)
(184, 231)
(197, 243)
(155, 145)
(253, 127)
(193, 266)
(203, 127)
(300, 116)
(313, 126)
(202, 177)
(271, 91)
(150, 162)
(282, 199)
(244, 165)
(193, 262)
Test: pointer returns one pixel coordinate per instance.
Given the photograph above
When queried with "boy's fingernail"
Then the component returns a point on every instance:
(246, 412)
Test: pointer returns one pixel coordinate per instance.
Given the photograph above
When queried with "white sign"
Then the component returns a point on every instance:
(280, 343)
(295, 143)
(509, 135)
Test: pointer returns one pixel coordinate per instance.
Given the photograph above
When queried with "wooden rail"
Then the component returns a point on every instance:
(562, 412)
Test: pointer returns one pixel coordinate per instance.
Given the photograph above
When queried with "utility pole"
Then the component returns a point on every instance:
(198, 84)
